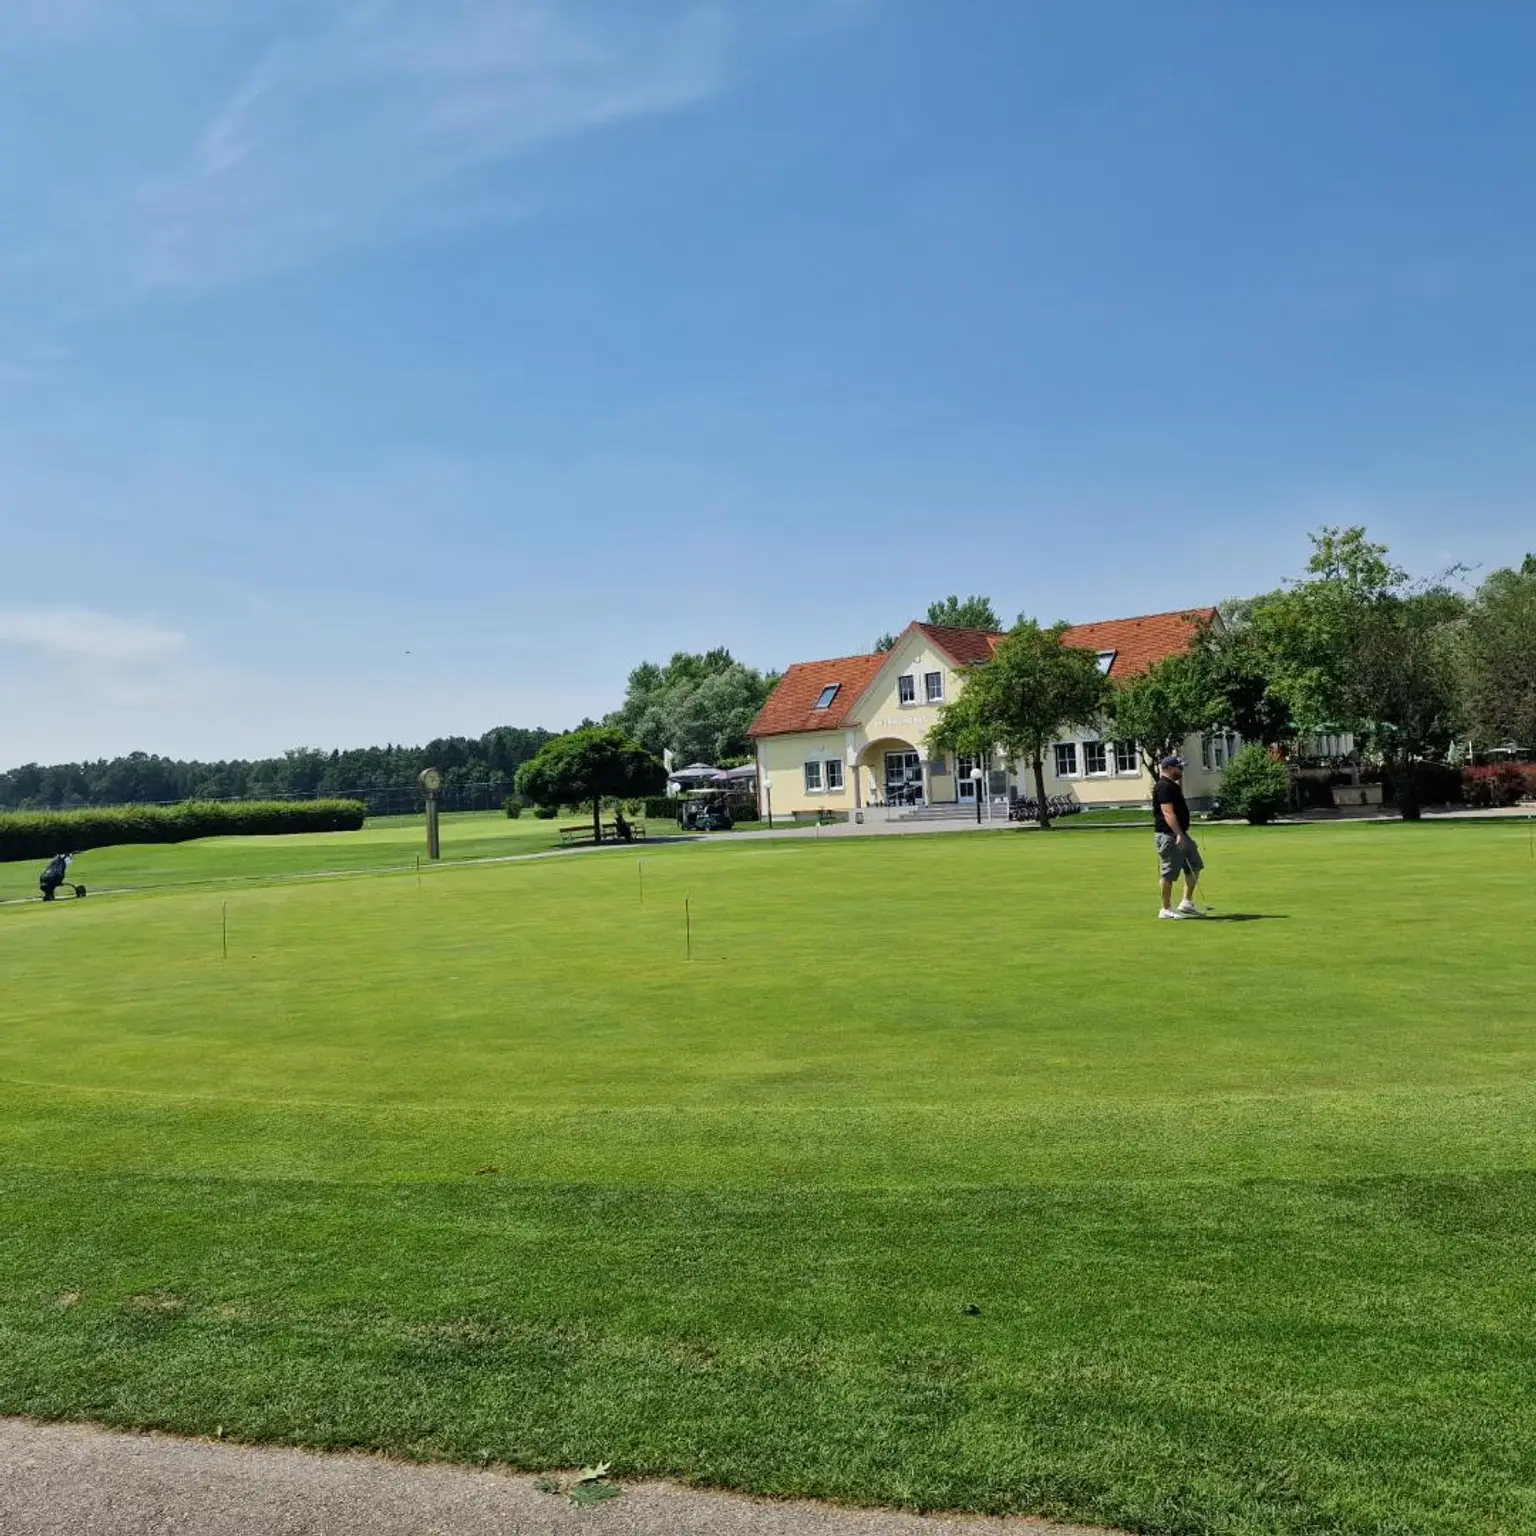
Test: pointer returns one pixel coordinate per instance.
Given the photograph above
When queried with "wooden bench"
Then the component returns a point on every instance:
(583, 833)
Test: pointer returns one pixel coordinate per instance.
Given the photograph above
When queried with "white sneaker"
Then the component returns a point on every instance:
(1189, 909)
(1171, 913)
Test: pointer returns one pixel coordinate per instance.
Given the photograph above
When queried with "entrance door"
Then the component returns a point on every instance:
(967, 784)
(903, 778)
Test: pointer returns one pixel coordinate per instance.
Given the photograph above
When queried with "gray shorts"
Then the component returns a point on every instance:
(1174, 860)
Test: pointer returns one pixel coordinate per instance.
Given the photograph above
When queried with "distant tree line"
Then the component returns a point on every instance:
(473, 769)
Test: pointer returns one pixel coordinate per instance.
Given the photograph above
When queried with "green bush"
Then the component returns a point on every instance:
(663, 807)
(1256, 786)
(546, 812)
(513, 807)
(41, 834)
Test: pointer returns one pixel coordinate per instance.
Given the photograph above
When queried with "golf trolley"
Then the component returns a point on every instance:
(54, 876)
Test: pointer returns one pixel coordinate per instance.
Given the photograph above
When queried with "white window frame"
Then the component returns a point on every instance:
(1095, 773)
(1217, 750)
(833, 777)
(903, 683)
(933, 687)
(813, 776)
(1057, 750)
(1127, 757)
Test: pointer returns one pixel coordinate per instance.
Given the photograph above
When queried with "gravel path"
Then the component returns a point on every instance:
(77, 1480)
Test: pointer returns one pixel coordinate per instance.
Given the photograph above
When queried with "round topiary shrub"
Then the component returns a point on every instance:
(1255, 786)
(513, 808)
(546, 812)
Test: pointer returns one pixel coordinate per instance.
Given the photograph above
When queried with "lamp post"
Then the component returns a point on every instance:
(431, 781)
(976, 781)
(768, 793)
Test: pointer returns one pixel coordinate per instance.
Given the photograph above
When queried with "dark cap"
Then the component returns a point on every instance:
(1172, 761)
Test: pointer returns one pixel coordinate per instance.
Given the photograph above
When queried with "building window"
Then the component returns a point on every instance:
(834, 774)
(1066, 759)
(827, 695)
(1127, 758)
(1106, 661)
(1218, 750)
(933, 687)
(813, 778)
(906, 689)
(1095, 757)
(963, 766)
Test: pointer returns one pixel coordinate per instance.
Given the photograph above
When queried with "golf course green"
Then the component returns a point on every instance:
(924, 1171)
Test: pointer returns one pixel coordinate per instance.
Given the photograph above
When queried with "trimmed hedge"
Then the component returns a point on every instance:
(662, 807)
(1434, 783)
(41, 834)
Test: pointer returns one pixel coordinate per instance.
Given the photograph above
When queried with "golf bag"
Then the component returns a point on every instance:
(54, 876)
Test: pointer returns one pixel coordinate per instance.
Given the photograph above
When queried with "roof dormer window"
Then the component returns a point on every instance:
(828, 693)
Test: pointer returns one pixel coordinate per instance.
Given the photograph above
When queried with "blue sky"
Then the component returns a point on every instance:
(371, 370)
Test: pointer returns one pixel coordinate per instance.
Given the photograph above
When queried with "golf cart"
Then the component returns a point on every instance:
(705, 810)
(54, 876)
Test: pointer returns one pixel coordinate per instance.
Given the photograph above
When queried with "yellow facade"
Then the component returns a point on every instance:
(884, 721)
(882, 743)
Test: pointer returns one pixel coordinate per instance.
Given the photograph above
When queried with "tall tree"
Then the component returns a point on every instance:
(1241, 683)
(1020, 701)
(1173, 699)
(591, 764)
(1356, 644)
(698, 707)
(964, 613)
(1497, 656)
(886, 642)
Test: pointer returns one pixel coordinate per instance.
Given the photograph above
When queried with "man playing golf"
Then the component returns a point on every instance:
(1176, 851)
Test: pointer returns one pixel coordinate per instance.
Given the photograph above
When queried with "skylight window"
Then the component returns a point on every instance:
(1106, 660)
(827, 695)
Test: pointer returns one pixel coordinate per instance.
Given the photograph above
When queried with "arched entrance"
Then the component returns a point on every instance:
(893, 772)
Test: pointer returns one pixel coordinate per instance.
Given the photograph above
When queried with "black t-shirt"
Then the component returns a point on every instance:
(1166, 792)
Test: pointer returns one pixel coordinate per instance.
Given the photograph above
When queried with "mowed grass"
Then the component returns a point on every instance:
(386, 843)
(485, 1167)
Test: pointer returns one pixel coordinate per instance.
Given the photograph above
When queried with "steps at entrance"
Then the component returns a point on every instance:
(964, 811)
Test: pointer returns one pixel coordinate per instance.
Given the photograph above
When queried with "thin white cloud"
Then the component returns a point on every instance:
(79, 634)
(250, 136)
(363, 120)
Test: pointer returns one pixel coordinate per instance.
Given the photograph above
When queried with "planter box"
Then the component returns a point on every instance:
(1356, 794)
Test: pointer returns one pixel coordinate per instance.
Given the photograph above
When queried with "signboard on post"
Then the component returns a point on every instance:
(431, 781)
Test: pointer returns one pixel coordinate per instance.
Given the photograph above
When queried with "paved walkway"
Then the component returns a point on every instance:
(77, 1480)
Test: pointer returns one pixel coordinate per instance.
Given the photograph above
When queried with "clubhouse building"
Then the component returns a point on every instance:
(851, 733)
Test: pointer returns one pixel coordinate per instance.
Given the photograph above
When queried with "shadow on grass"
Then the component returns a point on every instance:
(1246, 917)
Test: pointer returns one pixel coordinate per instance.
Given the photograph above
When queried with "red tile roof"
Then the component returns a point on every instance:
(965, 646)
(792, 704)
(1136, 643)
